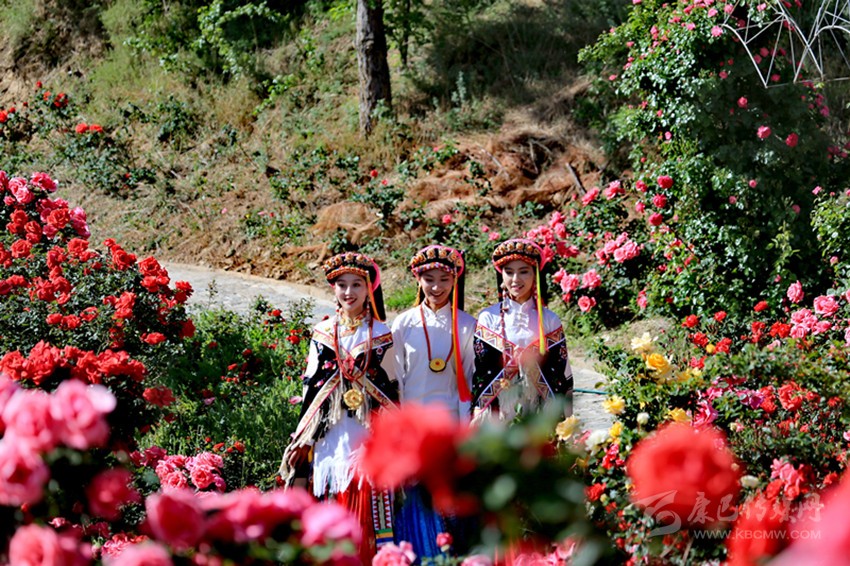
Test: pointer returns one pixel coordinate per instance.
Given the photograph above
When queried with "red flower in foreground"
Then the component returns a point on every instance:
(418, 443)
(684, 475)
(760, 306)
(759, 532)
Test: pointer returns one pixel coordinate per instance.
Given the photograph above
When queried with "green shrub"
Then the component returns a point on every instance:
(238, 385)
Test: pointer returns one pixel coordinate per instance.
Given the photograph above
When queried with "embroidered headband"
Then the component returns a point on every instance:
(519, 249)
(532, 254)
(356, 263)
(439, 257)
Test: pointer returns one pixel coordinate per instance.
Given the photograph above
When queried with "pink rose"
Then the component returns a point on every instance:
(81, 413)
(34, 545)
(447, 219)
(591, 280)
(586, 303)
(792, 139)
(640, 207)
(570, 283)
(22, 193)
(642, 301)
(109, 491)
(175, 517)
(8, 387)
(144, 554)
(742, 102)
(444, 540)
(173, 480)
(795, 292)
(477, 560)
(763, 132)
(22, 473)
(659, 201)
(28, 419)
(326, 522)
(392, 555)
(202, 476)
(248, 514)
(590, 196)
(826, 305)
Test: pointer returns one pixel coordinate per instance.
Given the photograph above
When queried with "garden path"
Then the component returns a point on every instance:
(237, 291)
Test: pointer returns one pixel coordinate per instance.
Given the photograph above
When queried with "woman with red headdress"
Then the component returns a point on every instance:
(434, 364)
(521, 357)
(349, 375)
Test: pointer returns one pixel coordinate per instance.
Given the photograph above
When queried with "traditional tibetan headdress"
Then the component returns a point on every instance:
(528, 252)
(365, 267)
(451, 261)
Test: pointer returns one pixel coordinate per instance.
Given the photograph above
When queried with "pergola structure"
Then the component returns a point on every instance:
(814, 38)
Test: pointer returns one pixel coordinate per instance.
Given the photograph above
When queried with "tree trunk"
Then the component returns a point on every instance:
(372, 63)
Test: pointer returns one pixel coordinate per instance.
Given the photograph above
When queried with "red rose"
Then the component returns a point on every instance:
(54, 318)
(759, 532)
(444, 540)
(680, 467)
(417, 443)
(791, 396)
(594, 492)
(153, 338)
(665, 182)
(656, 219)
(659, 201)
(720, 316)
(109, 491)
(20, 249)
(161, 396)
(760, 306)
(690, 321)
(81, 128)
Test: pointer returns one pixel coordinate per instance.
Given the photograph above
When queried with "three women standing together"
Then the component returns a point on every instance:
(510, 360)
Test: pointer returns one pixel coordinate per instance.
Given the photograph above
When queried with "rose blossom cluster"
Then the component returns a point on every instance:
(35, 422)
(202, 470)
(182, 521)
(620, 249)
(42, 227)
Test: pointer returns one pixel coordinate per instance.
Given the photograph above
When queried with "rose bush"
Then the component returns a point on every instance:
(776, 393)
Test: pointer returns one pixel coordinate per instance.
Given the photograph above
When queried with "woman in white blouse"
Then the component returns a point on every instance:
(521, 357)
(434, 365)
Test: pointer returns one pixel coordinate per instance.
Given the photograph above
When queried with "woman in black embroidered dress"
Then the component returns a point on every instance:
(521, 357)
(347, 379)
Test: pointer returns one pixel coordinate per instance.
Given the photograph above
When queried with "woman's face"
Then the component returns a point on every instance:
(351, 292)
(518, 280)
(436, 285)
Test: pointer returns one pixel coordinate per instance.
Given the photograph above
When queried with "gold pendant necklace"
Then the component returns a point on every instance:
(435, 364)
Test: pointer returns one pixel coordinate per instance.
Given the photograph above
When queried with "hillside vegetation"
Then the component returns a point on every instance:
(231, 129)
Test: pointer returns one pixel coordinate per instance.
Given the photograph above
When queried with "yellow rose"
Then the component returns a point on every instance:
(614, 405)
(659, 364)
(710, 349)
(678, 415)
(643, 343)
(567, 428)
(616, 430)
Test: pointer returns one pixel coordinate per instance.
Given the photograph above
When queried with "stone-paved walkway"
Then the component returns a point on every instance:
(236, 292)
